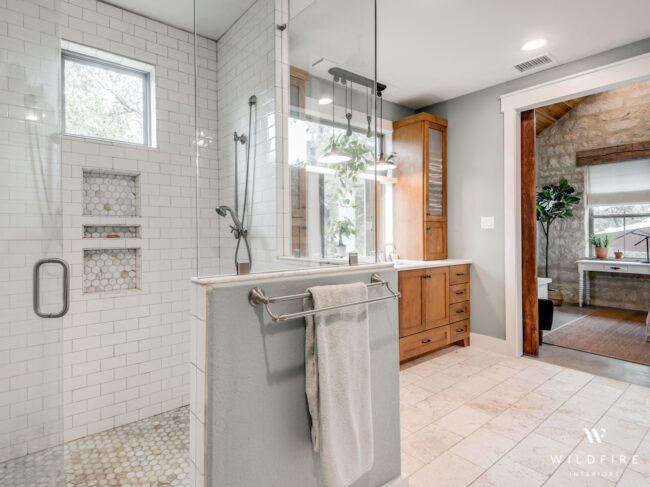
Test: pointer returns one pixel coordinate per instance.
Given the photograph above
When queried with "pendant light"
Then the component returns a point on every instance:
(382, 164)
(348, 115)
(334, 155)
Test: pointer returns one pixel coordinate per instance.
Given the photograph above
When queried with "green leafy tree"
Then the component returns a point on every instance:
(555, 201)
(105, 103)
(361, 157)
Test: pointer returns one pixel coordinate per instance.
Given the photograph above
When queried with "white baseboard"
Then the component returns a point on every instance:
(491, 344)
(401, 481)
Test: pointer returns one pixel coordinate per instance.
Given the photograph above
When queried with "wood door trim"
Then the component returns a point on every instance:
(529, 235)
(624, 152)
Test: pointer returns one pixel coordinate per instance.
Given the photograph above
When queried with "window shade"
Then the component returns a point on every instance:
(619, 183)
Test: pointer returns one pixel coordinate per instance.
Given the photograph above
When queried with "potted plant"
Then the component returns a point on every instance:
(341, 228)
(601, 242)
(555, 201)
(618, 254)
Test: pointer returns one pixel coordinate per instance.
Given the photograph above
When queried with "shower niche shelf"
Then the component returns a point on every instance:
(111, 231)
(110, 193)
(108, 270)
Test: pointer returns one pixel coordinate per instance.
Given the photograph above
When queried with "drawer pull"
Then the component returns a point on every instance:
(428, 340)
(428, 228)
(460, 311)
(460, 275)
(614, 268)
(458, 293)
(460, 330)
(426, 277)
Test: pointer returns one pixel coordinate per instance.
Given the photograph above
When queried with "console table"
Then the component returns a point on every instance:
(605, 265)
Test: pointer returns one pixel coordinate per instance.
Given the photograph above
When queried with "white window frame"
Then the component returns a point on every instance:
(87, 55)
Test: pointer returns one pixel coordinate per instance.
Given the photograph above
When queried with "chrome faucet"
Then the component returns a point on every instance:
(388, 257)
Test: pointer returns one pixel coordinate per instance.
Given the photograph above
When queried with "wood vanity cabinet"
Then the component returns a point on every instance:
(434, 309)
(420, 144)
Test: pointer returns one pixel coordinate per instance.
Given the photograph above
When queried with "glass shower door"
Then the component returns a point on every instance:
(33, 278)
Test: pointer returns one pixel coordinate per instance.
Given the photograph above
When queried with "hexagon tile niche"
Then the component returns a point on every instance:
(110, 194)
(111, 270)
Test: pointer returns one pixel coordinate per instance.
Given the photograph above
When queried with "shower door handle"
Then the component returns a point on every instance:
(37, 287)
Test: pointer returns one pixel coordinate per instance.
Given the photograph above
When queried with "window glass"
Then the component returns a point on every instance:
(105, 101)
(332, 205)
(626, 226)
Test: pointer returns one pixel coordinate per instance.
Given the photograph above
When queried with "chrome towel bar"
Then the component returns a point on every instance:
(257, 296)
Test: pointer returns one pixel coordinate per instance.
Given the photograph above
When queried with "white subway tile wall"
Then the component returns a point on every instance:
(30, 189)
(249, 62)
(127, 353)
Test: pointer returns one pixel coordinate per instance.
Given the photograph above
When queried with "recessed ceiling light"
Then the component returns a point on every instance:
(324, 101)
(534, 44)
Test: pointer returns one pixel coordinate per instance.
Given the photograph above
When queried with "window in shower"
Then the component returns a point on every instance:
(106, 96)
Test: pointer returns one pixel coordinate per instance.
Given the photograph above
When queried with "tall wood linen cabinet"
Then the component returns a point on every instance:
(420, 144)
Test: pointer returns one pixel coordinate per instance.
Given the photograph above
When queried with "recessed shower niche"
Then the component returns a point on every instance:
(109, 193)
(111, 231)
(111, 270)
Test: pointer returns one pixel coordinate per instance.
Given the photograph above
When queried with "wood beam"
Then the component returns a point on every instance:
(624, 152)
(529, 235)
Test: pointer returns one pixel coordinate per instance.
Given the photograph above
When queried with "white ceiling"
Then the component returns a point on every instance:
(429, 50)
(212, 20)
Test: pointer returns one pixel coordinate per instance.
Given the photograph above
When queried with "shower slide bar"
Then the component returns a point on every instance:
(257, 296)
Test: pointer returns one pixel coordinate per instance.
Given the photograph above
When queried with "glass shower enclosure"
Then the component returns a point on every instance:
(33, 277)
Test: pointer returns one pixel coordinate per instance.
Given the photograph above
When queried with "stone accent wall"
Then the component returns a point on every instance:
(611, 118)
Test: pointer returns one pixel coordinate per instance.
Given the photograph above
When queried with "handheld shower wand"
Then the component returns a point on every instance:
(238, 228)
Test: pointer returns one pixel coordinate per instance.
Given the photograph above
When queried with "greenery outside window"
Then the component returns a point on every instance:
(106, 96)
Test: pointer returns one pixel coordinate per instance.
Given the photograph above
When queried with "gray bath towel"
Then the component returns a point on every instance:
(337, 370)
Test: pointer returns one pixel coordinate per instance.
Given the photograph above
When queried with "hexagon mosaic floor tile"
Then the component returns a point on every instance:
(153, 452)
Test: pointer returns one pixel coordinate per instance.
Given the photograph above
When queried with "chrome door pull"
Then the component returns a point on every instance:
(37, 287)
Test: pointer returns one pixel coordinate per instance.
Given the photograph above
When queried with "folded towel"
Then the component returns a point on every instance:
(337, 373)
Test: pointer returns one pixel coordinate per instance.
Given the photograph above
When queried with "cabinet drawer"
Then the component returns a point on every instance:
(424, 342)
(458, 311)
(459, 293)
(459, 330)
(615, 268)
(459, 274)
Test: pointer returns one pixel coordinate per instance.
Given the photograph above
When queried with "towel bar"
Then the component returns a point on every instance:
(257, 296)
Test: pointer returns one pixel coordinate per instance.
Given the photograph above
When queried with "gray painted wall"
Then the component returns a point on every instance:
(258, 425)
(475, 181)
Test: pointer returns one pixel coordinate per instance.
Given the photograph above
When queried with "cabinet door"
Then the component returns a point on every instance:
(410, 304)
(435, 172)
(435, 240)
(435, 297)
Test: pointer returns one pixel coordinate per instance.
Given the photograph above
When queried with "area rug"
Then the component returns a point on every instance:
(612, 333)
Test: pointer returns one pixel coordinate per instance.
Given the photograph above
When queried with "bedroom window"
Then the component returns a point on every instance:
(106, 96)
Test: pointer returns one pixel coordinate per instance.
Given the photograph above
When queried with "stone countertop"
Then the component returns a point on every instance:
(226, 280)
(409, 265)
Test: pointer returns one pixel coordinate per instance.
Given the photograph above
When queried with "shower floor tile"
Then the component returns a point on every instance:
(153, 452)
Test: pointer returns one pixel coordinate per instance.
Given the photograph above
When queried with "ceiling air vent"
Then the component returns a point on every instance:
(534, 63)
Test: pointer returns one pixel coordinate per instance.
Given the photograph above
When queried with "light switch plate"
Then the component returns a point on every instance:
(487, 222)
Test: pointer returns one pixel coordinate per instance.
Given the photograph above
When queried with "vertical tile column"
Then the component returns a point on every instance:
(198, 410)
